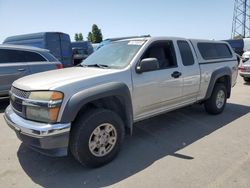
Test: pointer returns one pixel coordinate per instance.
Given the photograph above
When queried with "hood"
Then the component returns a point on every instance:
(54, 78)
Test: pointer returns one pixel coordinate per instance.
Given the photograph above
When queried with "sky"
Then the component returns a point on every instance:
(204, 19)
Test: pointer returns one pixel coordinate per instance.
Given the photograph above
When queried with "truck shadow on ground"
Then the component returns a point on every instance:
(152, 140)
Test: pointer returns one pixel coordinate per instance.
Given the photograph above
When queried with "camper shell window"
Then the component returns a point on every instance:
(211, 51)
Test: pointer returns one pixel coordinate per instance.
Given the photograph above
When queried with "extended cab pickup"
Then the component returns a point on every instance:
(87, 110)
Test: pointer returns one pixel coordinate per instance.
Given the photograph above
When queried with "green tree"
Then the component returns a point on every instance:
(80, 37)
(76, 37)
(90, 37)
(96, 34)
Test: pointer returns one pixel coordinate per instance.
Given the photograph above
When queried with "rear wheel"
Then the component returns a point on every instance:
(96, 137)
(216, 103)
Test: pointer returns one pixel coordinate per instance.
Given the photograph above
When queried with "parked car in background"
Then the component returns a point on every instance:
(17, 61)
(245, 67)
(245, 56)
(88, 109)
(57, 43)
(81, 50)
(246, 44)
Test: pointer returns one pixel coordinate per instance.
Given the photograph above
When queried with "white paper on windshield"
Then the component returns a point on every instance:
(136, 42)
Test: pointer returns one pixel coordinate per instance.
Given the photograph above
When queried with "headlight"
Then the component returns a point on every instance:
(43, 106)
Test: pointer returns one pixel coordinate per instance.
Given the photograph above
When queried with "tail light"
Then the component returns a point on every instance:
(59, 66)
(243, 69)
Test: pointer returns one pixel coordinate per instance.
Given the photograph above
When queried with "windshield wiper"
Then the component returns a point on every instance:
(97, 65)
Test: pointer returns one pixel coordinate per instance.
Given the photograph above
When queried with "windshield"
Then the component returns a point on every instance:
(115, 55)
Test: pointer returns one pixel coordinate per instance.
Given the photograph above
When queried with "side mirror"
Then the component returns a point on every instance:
(147, 64)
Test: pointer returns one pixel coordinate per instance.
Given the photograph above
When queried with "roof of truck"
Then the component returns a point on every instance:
(21, 47)
(171, 38)
(206, 40)
(152, 38)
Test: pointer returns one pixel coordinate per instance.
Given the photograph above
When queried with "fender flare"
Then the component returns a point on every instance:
(78, 100)
(225, 71)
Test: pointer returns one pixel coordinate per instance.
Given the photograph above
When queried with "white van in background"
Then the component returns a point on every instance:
(246, 42)
(245, 56)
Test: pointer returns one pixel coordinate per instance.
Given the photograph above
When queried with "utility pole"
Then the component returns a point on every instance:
(241, 19)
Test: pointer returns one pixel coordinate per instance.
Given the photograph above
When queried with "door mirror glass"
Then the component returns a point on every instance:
(147, 64)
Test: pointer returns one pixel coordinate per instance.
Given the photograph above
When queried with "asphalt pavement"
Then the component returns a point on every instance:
(184, 148)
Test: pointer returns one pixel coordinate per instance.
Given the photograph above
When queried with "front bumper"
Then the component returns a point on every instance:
(245, 74)
(49, 139)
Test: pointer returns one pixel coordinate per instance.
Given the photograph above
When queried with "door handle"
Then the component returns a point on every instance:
(176, 74)
(21, 69)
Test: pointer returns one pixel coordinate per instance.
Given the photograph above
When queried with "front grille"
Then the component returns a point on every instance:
(16, 100)
(20, 93)
(17, 106)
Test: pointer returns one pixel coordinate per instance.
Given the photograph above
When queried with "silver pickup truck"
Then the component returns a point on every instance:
(87, 110)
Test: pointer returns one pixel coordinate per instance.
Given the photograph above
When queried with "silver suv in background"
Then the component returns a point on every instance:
(18, 61)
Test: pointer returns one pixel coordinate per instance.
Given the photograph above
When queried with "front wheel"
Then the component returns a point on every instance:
(216, 103)
(96, 137)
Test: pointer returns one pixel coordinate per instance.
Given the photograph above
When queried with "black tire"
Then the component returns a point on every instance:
(83, 129)
(210, 104)
(246, 79)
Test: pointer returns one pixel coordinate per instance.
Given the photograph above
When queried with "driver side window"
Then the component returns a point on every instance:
(164, 52)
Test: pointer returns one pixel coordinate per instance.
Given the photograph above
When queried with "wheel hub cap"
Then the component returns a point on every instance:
(102, 140)
(220, 100)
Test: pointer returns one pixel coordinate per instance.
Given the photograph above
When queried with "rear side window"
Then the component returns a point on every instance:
(223, 51)
(31, 56)
(13, 56)
(49, 57)
(10, 56)
(186, 53)
(214, 50)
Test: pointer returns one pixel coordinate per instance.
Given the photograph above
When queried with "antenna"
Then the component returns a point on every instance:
(241, 19)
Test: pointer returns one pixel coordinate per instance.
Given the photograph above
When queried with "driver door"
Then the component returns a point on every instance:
(156, 91)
